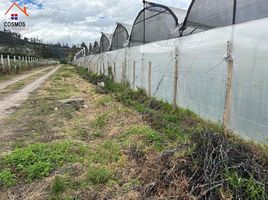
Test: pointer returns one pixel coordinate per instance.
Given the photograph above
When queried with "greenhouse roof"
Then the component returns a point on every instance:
(156, 22)
(105, 42)
(120, 35)
(208, 14)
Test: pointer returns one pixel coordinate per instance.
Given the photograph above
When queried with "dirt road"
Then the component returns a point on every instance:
(9, 102)
(5, 84)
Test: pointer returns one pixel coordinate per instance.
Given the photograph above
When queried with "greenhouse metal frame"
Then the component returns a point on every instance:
(105, 42)
(120, 36)
(209, 14)
(156, 22)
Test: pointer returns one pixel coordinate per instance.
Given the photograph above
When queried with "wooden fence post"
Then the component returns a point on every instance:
(114, 71)
(122, 74)
(228, 96)
(8, 63)
(15, 63)
(176, 77)
(134, 75)
(26, 61)
(19, 59)
(149, 79)
(2, 62)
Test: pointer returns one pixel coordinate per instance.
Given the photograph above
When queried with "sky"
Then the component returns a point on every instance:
(76, 21)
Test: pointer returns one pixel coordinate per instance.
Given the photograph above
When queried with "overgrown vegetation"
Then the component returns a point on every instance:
(37, 161)
(213, 164)
(124, 145)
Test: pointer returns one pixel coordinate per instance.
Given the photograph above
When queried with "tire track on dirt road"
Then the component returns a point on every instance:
(5, 84)
(8, 103)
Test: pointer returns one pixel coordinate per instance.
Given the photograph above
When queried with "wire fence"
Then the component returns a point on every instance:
(15, 64)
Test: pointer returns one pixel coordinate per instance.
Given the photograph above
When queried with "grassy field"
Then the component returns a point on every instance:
(121, 145)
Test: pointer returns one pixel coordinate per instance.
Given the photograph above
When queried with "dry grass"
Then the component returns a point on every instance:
(117, 138)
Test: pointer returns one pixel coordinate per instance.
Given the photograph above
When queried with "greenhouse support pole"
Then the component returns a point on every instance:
(134, 74)
(122, 73)
(149, 79)
(144, 22)
(114, 71)
(228, 96)
(234, 11)
(176, 77)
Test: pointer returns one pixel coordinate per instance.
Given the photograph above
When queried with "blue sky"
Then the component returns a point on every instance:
(73, 22)
(32, 2)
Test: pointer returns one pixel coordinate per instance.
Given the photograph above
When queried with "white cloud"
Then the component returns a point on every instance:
(69, 21)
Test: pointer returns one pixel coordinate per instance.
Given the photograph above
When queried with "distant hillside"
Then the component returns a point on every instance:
(11, 43)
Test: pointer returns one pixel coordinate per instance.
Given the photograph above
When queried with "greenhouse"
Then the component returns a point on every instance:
(120, 36)
(105, 42)
(96, 48)
(156, 22)
(208, 14)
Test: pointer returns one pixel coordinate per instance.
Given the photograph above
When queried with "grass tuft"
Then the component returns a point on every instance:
(99, 175)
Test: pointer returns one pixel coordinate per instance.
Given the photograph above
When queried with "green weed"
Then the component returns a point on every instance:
(100, 121)
(104, 100)
(105, 153)
(7, 178)
(39, 160)
(99, 175)
(59, 185)
(245, 188)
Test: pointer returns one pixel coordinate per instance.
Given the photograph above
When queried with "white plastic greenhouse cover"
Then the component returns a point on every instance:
(202, 74)
(120, 36)
(156, 22)
(105, 42)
